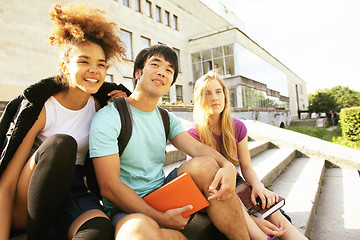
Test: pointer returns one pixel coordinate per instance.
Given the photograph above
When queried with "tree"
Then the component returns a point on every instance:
(345, 97)
(321, 101)
(333, 99)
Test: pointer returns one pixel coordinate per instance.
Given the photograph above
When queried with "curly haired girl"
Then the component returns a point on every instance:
(44, 134)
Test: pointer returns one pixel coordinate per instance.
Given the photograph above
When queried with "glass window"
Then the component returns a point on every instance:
(128, 83)
(177, 51)
(229, 49)
(217, 52)
(179, 93)
(196, 71)
(229, 64)
(158, 13)
(206, 55)
(195, 57)
(126, 3)
(219, 65)
(109, 78)
(126, 38)
(175, 22)
(207, 66)
(145, 42)
(166, 97)
(138, 5)
(148, 9)
(167, 18)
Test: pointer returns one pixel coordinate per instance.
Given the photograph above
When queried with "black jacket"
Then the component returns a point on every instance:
(21, 113)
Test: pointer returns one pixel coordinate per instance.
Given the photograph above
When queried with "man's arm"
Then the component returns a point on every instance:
(226, 175)
(107, 170)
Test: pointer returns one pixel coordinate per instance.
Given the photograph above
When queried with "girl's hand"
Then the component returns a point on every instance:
(268, 228)
(116, 94)
(267, 197)
(223, 185)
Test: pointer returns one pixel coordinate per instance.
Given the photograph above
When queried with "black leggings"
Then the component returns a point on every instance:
(49, 189)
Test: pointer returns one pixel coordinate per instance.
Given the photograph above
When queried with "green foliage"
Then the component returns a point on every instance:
(350, 123)
(335, 98)
(343, 141)
(321, 101)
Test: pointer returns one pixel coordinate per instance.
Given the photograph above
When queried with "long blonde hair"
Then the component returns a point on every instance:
(203, 122)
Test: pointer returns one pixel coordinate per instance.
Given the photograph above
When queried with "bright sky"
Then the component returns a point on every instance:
(317, 39)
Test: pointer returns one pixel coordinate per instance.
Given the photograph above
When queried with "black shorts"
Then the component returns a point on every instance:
(78, 201)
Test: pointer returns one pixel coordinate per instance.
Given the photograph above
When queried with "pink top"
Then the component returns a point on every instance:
(240, 132)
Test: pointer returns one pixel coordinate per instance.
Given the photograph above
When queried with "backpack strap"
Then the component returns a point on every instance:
(166, 121)
(122, 105)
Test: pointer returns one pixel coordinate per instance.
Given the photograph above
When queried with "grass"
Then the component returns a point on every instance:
(334, 136)
(321, 133)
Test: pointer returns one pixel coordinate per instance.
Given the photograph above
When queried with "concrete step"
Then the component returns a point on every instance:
(300, 185)
(338, 212)
(269, 164)
(173, 155)
(257, 147)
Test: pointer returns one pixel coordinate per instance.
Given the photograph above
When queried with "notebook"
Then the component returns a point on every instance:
(244, 193)
(177, 193)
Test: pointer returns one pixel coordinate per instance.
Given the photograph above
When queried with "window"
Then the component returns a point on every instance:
(145, 42)
(148, 9)
(109, 78)
(128, 83)
(179, 93)
(167, 18)
(126, 3)
(158, 13)
(166, 97)
(177, 51)
(175, 22)
(138, 5)
(126, 38)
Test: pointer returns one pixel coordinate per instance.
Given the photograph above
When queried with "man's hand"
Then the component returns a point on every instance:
(116, 94)
(174, 218)
(223, 185)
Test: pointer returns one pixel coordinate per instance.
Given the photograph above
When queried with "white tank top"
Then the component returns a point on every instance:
(76, 123)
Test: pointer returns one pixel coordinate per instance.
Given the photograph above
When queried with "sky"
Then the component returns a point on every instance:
(319, 40)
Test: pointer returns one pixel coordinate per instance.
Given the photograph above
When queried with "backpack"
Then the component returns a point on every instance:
(123, 107)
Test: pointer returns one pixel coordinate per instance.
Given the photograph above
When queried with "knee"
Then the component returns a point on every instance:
(63, 143)
(137, 226)
(201, 169)
(58, 146)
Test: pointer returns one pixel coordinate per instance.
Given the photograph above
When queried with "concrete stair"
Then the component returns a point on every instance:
(299, 179)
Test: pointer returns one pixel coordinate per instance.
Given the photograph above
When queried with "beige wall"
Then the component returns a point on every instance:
(26, 57)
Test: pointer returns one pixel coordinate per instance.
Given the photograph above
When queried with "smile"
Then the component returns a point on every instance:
(91, 80)
(158, 82)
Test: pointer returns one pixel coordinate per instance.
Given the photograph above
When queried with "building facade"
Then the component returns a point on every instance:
(203, 38)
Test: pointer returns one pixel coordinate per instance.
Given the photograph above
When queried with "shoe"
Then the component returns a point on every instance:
(272, 238)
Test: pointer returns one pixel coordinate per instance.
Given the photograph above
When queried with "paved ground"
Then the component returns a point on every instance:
(331, 128)
(338, 215)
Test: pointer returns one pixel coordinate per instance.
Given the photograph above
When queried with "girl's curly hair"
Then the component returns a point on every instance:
(78, 23)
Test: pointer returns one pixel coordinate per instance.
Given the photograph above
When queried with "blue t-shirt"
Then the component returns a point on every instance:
(143, 158)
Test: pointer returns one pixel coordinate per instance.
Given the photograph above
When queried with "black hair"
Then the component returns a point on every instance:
(161, 50)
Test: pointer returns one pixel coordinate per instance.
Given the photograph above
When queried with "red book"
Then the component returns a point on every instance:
(244, 193)
(179, 192)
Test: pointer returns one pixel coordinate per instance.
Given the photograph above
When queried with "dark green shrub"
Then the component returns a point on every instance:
(350, 123)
